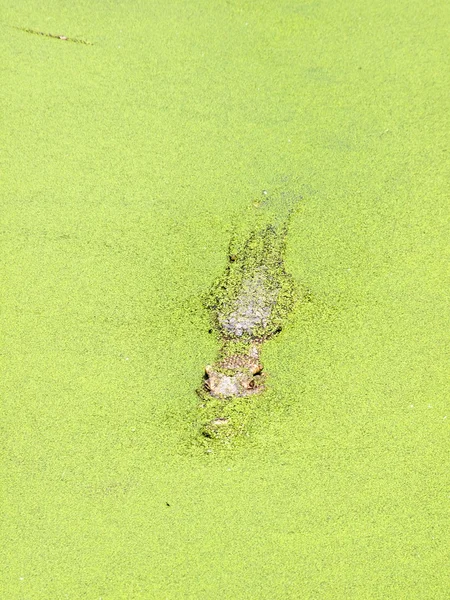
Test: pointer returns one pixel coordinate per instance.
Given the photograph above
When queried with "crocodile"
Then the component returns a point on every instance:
(248, 305)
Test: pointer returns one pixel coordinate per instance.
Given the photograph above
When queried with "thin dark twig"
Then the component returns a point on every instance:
(54, 36)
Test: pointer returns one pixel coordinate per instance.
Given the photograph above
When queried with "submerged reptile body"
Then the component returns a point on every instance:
(248, 305)
(251, 299)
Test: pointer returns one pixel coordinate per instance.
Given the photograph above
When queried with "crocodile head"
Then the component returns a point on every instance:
(240, 383)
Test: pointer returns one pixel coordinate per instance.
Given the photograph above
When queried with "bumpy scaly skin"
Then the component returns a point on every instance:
(251, 299)
(248, 304)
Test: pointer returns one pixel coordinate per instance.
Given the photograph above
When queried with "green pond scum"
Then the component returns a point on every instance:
(198, 176)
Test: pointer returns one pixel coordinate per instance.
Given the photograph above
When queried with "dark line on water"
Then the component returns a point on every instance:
(54, 36)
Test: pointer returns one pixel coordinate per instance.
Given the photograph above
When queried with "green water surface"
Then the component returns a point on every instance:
(127, 164)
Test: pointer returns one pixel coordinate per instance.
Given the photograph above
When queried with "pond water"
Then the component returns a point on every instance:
(129, 163)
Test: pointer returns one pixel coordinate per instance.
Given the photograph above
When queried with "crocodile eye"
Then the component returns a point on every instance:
(251, 384)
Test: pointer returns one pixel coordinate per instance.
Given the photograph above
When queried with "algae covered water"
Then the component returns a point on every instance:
(129, 163)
